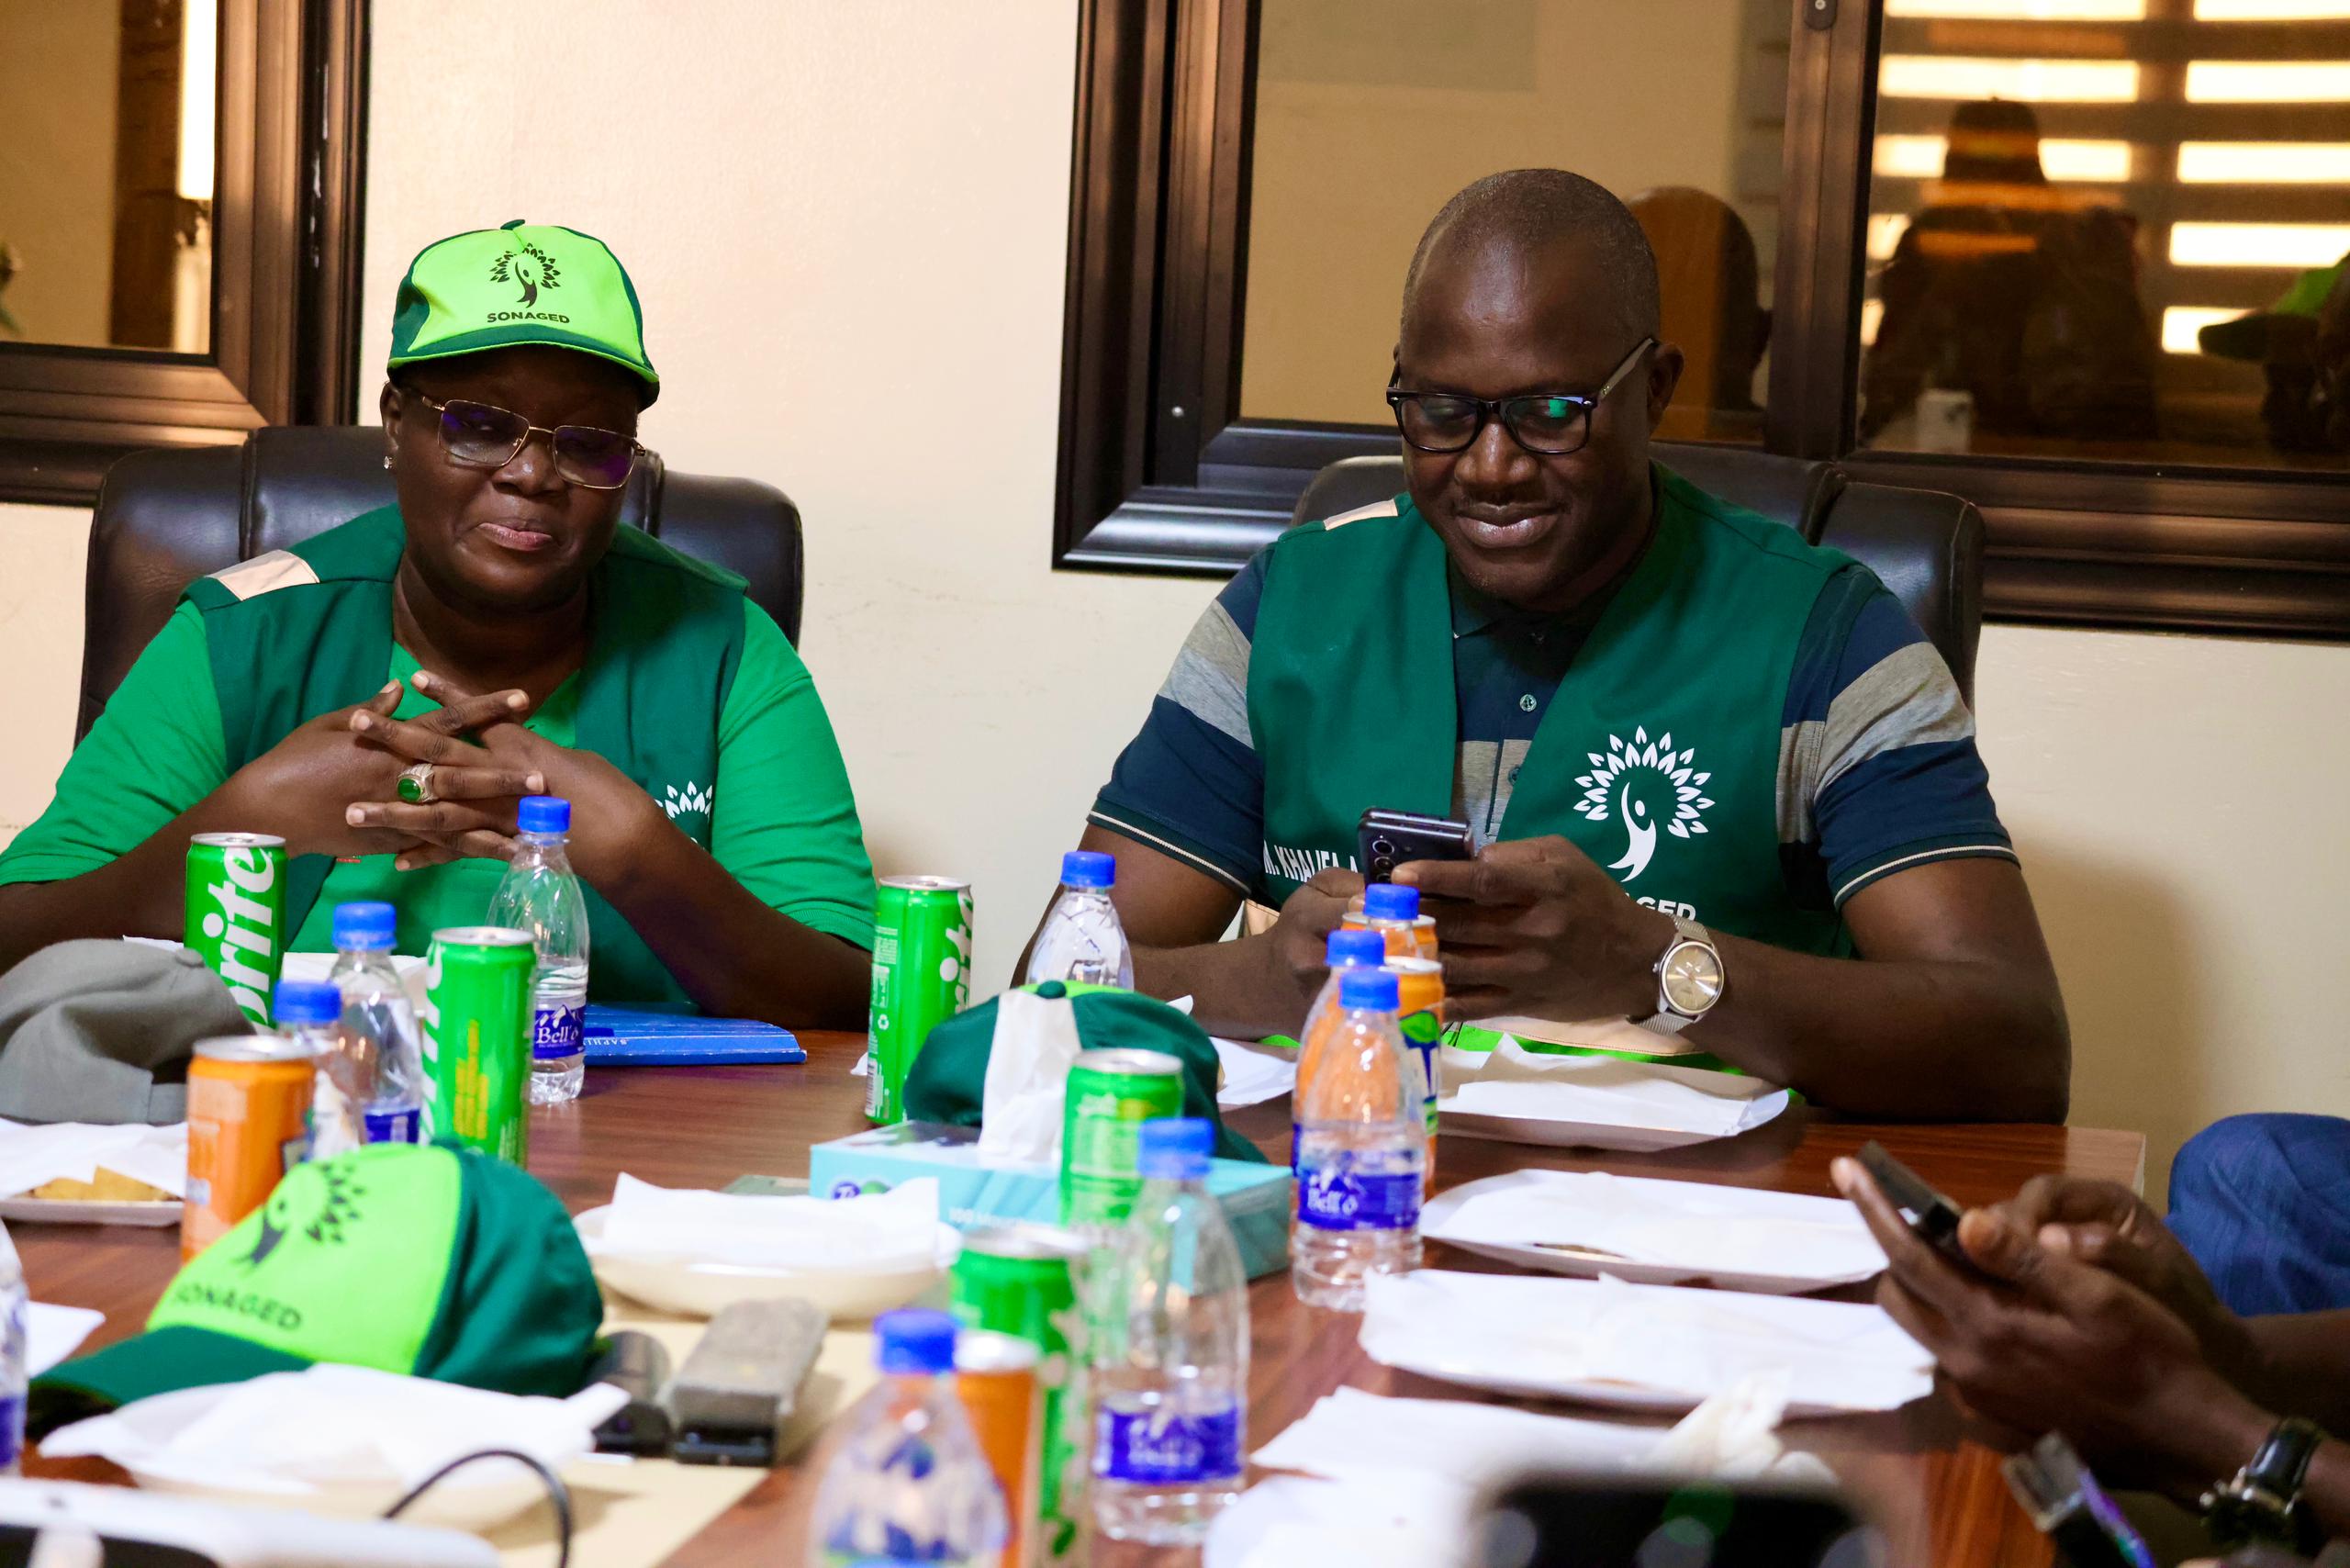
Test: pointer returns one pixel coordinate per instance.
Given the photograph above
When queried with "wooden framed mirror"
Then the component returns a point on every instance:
(179, 227)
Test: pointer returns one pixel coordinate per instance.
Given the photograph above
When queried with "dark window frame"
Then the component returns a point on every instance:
(286, 287)
(1159, 472)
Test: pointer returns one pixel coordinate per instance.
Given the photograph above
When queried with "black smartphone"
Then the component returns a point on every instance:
(1931, 1216)
(1389, 839)
(1617, 1521)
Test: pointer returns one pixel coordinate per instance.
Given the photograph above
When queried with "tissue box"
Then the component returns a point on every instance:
(971, 1192)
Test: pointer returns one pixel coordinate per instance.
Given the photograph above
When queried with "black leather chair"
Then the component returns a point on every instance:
(166, 518)
(1926, 545)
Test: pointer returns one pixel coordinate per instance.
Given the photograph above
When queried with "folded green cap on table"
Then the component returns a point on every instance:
(436, 1261)
(947, 1081)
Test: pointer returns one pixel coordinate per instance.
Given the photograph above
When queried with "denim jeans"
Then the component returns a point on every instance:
(2263, 1202)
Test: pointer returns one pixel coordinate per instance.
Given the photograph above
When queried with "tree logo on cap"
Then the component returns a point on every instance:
(317, 1209)
(530, 267)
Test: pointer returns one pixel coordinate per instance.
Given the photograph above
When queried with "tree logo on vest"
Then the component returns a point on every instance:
(1646, 784)
(692, 801)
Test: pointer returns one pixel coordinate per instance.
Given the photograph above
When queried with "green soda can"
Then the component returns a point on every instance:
(1111, 1095)
(1022, 1279)
(476, 1019)
(922, 976)
(236, 913)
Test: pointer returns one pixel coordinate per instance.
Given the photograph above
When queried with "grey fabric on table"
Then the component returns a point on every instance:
(101, 1031)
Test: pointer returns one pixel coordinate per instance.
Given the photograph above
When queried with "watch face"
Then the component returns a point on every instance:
(1693, 977)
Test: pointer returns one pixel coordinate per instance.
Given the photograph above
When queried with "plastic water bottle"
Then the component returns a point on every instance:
(908, 1483)
(379, 1024)
(1081, 939)
(1393, 910)
(1170, 1352)
(310, 1013)
(1361, 1142)
(540, 895)
(12, 1312)
(1345, 950)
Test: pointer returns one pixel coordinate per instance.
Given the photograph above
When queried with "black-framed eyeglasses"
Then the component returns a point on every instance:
(482, 435)
(1549, 424)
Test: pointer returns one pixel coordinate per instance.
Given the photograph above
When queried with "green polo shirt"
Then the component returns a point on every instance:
(782, 819)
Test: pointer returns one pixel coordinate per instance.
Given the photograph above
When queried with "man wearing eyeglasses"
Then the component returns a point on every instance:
(380, 696)
(1719, 783)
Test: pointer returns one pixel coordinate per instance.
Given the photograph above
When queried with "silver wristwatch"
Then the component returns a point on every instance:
(1689, 980)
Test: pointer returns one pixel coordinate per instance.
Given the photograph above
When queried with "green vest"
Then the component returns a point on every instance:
(1659, 757)
(666, 638)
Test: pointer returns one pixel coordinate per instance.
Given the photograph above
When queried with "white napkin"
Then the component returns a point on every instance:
(1692, 1224)
(1028, 1061)
(31, 1155)
(1252, 1075)
(1528, 1332)
(1397, 1478)
(876, 1231)
(291, 1432)
(53, 1333)
(1510, 1081)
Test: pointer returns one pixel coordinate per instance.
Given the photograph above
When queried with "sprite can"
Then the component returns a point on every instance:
(921, 977)
(236, 913)
(476, 1019)
(1022, 1279)
(1111, 1095)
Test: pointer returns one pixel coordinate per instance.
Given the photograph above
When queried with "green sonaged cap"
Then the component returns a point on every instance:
(524, 282)
(435, 1261)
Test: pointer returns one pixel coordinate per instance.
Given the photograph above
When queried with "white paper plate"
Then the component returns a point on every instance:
(1480, 1330)
(91, 1211)
(1695, 1270)
(1587, 1101)
(478, 1497)
(699, 1289)
(1587, 1135)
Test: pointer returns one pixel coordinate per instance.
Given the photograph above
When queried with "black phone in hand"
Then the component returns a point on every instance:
(1389, 839)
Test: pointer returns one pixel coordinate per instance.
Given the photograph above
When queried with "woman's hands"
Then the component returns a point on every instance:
(303, 787)
(482, 780)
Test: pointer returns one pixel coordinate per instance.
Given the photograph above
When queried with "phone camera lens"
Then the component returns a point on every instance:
(1382, 850)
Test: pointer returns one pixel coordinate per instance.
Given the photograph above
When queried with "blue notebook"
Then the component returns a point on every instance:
(661, 1036)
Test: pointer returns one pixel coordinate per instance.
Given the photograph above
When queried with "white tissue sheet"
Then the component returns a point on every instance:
(1740, 1236)
(53, 1333)
(1252, 1074)
(1598, 1101)
(31, 1155)
(874, 1232)
(1027, 1080)
(332, 1428)
(1396, 1479)
(1648, 1347)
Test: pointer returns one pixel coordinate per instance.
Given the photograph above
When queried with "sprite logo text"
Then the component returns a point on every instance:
(243, 926)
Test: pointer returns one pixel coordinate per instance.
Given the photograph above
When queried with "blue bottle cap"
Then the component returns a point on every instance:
(544, 814)
(1373, 989)
(1348, 948)
(1175, 1148)
(1391, 900)
(914, 1339)
(308, 1002)
(364, 927)
(1089, 868)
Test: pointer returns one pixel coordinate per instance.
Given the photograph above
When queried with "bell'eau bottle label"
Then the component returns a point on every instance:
(557, 1032)
(1158, 1448)
(1335, 1192)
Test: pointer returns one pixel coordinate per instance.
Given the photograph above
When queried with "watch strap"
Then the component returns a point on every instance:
(2263, 1500)
(1666, 1020)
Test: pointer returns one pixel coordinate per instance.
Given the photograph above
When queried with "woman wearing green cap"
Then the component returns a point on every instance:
(383, 694)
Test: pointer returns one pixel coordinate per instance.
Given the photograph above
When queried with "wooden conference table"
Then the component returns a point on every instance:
(1940, 1491)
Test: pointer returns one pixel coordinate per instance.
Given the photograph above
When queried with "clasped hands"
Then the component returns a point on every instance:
(1530, 926)
(331, 785)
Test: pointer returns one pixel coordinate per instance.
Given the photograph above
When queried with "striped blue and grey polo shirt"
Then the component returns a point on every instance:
(1877, 765)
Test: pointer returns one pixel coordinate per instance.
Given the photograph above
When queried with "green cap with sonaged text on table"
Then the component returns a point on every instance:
(434, 1261)
(526, 283)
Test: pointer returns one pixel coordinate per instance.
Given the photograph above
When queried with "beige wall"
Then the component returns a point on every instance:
(58, 63)
(809, 241)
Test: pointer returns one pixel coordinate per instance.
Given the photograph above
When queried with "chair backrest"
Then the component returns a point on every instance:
(1926, 545)
(166, 518)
